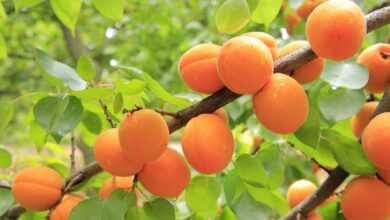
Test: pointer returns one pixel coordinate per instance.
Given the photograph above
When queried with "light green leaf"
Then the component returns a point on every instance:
(232, 16)
(91, 94)
(247, 208)
(6, 200)
(7, 110)
(62, 169)
(132, 87)
(67, 11)
(202, 194)
(26, 3)
(348, 75)
(3, 14)
(227, 214)
(266, 11)
(5, 158)
(339, 104)
(272, 199)
(118, 102)
(58, 115)
(92, 122)
(3, 48)
(38, 135)
(233, 186)
(111, 9)
(86, 67)
(60, 71)
(159, 209)
(348, 153)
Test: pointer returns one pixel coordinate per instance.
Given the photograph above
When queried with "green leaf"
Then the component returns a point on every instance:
(264, 168)
(272, 199)
(157, 89)
(339, 104)
(60, 71)
(202, 194)
(266, 11)
(58, 115)
(118, 102)
(348, 75)
(38, 135)
(331, 211)
(30, 215)
(227, 214)
(93, 94)
(247, 208)
(5, 158)
(111, 9)
(7, 110)
(132, 87)
(232, 16)
(233, 186)
(92, 122)
(159, 209)
(67, 11)
(3, 48)
(26, 3)
(88, 209)
(63, 170)
(6, 200)
(3, 14)
(348, 152)
(86, 67)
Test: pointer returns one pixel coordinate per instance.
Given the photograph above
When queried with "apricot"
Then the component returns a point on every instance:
(114, 183)
(293, 20)
(366, 198)
(307, 72)
(37, 188)
(307, 7)
(258, 140)
(62, 211)
(245, 64)
(222, 114)
(314, 216)
(207, 143)
(143, 135)
(376, 59)
(281, 106)
(167, 176)
(198, 68)
(267, 39)
(336, 29)
(385, 175)
(108, 153)
(360, 120)
(298, 191)
(376, 141)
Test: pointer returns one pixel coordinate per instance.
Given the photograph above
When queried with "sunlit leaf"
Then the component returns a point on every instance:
(5, 158)
(111, 9)
(347, 75)
(26, 3)
(232, 16)
(67, 11)
(86, 68)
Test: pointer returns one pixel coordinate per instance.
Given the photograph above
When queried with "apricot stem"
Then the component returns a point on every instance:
(107, 113)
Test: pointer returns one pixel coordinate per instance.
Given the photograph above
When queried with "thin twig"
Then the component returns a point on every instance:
(107, 113)
(171, 114)
(72, 153)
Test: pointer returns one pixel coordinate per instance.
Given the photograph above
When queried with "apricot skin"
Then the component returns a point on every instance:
(360, 120)
(108, 153)
(198, 68)
(336, 29)
(298, 191)
(293, 20)
(307, 7)
(207, 144)
(281, 106)
(267, 39)
(222, 114)
(37, 188)
(307, 72)
(376, 141)
(378, 67)
(143, 135)
(167, 176)
(366, 198)
(112, 183)
(62, 211)
(244, 65)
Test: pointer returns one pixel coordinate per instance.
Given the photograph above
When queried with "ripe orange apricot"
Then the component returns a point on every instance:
(37, 188)
(281, 106)
(143, 135)
(307, 7)
(258, 140)
(207, 143)
(376, 59)
(298, 191)
(336, 29)
(198, 68)
(222, 114)
(293, 20)
(114, 183)
(307, 72)
(360, 120)
(245, 64)
(314, 216)
(167, 176)
(62, 211)
(376, 141)
(267, 39)
(366, 198)
(108, 153)
(385, 175)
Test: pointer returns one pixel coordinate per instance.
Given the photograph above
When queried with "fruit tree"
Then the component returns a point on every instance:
(194, 110)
